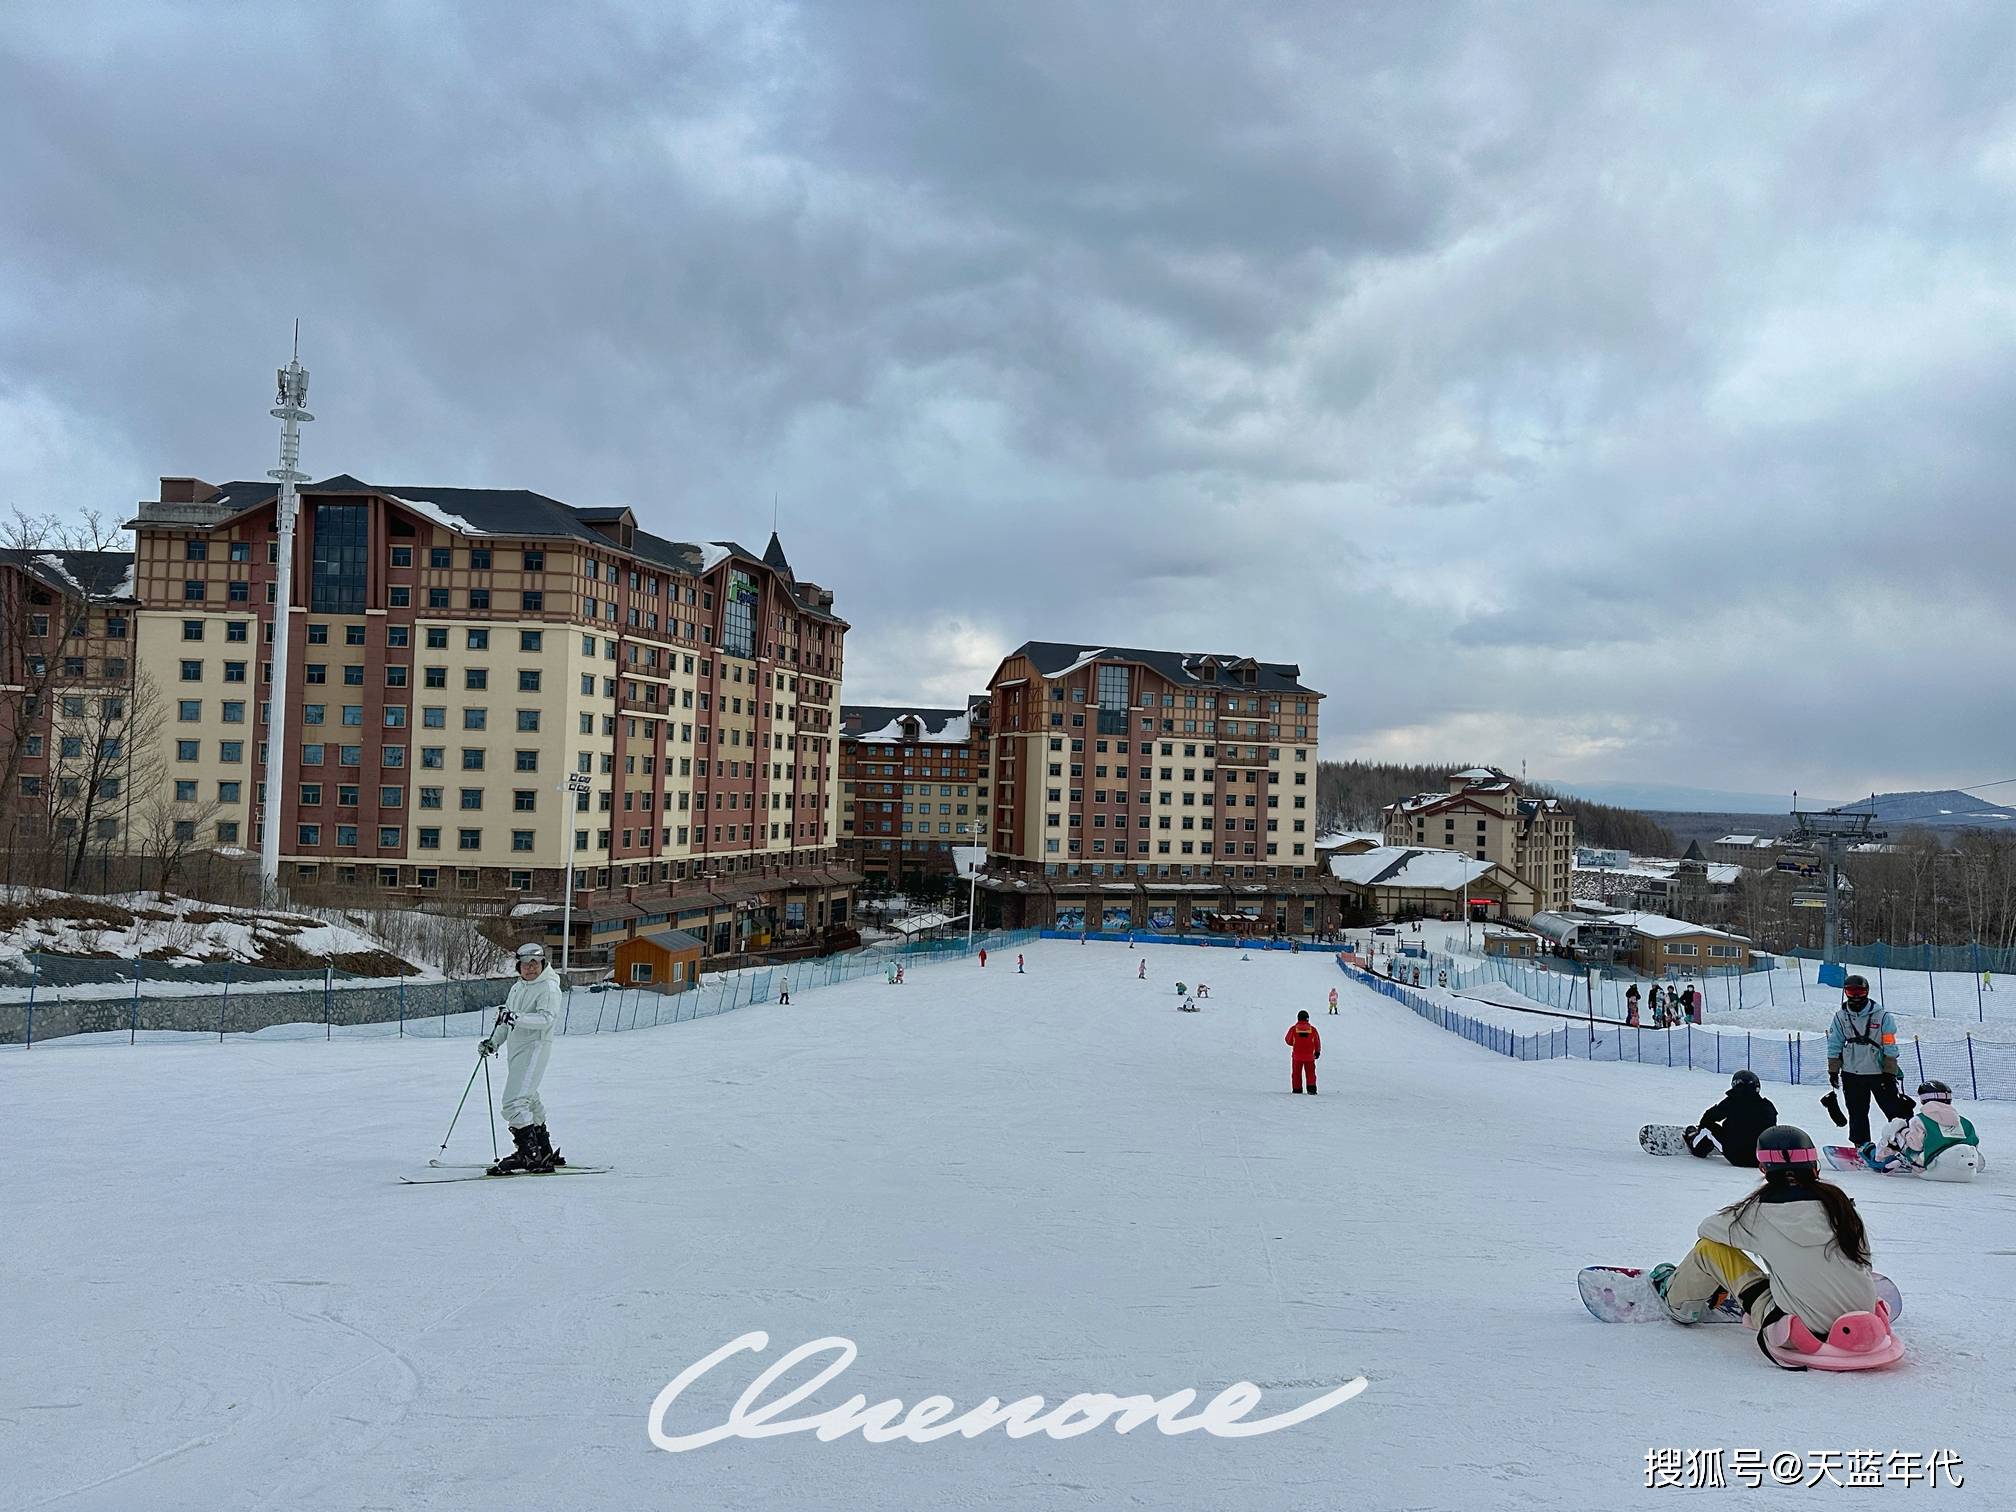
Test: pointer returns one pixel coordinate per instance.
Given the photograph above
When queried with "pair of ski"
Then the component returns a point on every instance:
(441, 1170)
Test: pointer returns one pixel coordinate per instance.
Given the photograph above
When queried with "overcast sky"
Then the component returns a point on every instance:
(1629, 391)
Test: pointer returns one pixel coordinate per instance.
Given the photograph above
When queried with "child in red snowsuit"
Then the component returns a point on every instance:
(1304, 1045)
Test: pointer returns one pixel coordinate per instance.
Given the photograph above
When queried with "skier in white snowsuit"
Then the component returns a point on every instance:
(526, 1023)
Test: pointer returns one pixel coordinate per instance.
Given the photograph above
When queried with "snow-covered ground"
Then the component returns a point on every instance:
(218, 1296)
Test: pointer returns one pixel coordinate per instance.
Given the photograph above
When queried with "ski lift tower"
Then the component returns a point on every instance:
(1832, 832)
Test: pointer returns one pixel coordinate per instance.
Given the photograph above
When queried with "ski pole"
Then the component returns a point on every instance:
(490, 1101)
(481, 1061)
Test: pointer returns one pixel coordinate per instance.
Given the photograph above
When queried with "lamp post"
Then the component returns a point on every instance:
(576, 783)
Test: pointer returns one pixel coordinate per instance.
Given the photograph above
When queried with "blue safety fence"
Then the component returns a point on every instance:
(1150, 937)
(2000, 960)
(1977, 1068)
(266, 1004)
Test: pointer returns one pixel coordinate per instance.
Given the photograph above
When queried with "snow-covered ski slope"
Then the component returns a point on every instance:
(218, 1295)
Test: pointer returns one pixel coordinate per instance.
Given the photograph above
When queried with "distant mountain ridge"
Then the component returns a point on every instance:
(1667, 798)
(1934, 808)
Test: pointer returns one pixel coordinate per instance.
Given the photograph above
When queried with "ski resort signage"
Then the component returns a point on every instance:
(938, 1417)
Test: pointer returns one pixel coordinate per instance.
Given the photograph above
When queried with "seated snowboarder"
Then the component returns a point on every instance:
(1933, 1139)
(1731, 1127)
(1810, 1238)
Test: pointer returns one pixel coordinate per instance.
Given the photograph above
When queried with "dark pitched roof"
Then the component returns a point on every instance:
(773, 555)
(862, 719)
(497, 511)
(86, 574)
(1179, 667)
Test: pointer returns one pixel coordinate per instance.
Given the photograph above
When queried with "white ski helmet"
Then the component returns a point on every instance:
(532, 951)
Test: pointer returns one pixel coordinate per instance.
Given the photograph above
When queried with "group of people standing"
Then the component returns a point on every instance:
(1678, 1005)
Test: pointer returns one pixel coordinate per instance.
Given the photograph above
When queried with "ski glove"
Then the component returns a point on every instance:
(1834, 1072)
(1319, 1055)
(486, 1048)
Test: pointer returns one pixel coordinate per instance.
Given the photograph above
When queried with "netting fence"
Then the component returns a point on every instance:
(1568, 986)
(2000, 960)
(272, 1006)
(1973, 1067)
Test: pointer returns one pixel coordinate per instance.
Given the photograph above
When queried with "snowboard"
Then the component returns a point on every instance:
(1663, 1139)
(1848, 1158)
(439, 1171)
(1623, 1294)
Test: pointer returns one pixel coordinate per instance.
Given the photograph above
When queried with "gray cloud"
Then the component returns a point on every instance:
(1624, 392)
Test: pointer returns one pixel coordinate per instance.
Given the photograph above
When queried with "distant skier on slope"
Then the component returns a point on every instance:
(1808, 1234)
(1732, 1126)
(1333, 999)
(1305, 1048)
(525, 1024)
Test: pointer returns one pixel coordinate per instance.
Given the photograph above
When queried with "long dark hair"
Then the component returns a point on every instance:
(1850, 1237)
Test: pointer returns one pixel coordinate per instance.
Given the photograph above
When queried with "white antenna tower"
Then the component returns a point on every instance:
(290, 410)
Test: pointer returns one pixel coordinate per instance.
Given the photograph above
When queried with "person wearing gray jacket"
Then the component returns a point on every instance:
(1862, 1058)
(525, 1025)
(1805, 1231)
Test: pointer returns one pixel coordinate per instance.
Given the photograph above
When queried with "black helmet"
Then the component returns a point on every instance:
(1934, 1091)
(1745, 1078)
(1782, 1150)
(1302, 1017)
(1856, 986)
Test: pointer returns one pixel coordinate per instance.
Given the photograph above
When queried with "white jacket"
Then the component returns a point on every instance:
(534, 1009)
(1809, 1275)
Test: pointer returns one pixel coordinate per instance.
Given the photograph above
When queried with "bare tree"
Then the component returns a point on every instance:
(47, 612)
(105, 756)
(165, 834)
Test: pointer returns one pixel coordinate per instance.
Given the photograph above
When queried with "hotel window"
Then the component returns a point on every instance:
(338, 571)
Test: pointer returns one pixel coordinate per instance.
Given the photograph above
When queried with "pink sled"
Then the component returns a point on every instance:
(1858, 1341)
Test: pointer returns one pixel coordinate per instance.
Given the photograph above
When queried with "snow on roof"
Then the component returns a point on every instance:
(1660, 927)
(56, 567)
(426, 509)
(713, 554)
(1345, 837)
(1737, 840)
(934, 726)
(1409, 866)
(1720, 873)
(918, 923)
(1085, 659)
(1478, 774)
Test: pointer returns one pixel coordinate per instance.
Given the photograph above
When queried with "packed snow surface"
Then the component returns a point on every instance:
(218, 1296)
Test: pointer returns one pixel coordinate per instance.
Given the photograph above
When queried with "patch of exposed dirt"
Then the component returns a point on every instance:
(371, 963)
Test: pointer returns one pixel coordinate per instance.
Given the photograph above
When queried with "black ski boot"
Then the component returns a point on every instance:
(521, 1158)
(543, 1156)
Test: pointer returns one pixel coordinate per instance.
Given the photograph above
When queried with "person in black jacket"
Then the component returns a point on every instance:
(1731, 1127)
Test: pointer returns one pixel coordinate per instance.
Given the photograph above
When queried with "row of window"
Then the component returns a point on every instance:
(1113, 693)
(1185, 848)
(38, 627)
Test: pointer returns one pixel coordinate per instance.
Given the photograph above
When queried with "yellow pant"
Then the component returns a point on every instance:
(1711, 1267)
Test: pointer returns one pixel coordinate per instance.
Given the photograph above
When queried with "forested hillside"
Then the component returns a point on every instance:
(1350, 794)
